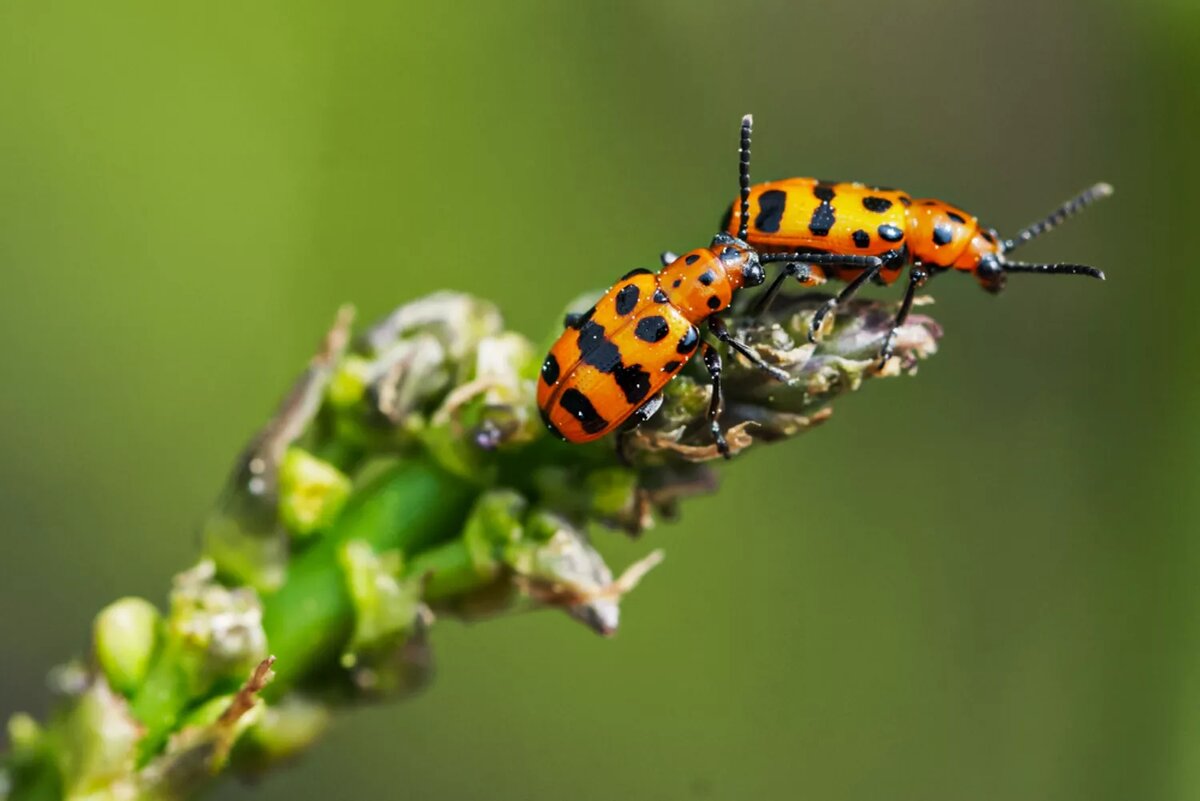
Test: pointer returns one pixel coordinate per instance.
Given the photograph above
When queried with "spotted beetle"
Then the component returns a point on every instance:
(607, 369)
(926, 235)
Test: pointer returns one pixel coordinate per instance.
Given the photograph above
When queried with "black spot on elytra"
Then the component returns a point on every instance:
(942, 234)
(890, 232)
(671, 366)
(553, 428)
(651, 329)
(876, 204)
(550, 370)
(660, 296)
(906, 200)
(580, 320)
(692, 258)
(707, 277)
(714, 302)
(770, 210)
(604, 356)
(987, 235)
(627, 298)
(633, 381)
(589, 334)
(822, 220)
(579, 407)
(600, 352)
(861, 238)
(688, 342)
(823, 216)
(958, 218)
(929, 203)
(633, 272)
(677, 282)
(596, 349)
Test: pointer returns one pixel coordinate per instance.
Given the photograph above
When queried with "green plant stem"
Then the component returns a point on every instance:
(39, 780)
(408, 507)
(165, 693)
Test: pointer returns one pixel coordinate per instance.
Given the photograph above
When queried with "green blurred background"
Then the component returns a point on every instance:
(979, 583)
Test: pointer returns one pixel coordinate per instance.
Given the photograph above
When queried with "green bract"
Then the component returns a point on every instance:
(126, 636)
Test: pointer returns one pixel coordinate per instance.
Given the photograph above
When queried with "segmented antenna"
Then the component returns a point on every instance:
(1072, 207)
(1065, 269)
(744, 176)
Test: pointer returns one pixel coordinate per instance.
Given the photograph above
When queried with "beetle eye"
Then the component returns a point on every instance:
(989, 266)
(753, 274)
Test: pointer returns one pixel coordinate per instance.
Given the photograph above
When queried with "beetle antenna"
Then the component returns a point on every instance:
(1065, 269)
(744, 176)
(1072, 207)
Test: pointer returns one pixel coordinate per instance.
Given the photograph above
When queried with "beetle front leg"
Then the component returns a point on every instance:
(916, 278)
(712, 362)
(717, 326)
(799, 271)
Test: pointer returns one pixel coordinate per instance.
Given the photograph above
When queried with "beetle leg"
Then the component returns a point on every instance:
(916, 278)
(846, 294)
(717, 326)
(795, 270)
(643, 413)
(712, 361)
(797, 266)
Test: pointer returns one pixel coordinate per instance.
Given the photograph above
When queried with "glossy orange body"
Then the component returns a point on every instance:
(804, 214)
(617, 356)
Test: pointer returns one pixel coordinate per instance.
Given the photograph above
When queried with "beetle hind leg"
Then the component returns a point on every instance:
(643, 413)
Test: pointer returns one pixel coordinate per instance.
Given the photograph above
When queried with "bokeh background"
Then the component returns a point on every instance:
(979, 583)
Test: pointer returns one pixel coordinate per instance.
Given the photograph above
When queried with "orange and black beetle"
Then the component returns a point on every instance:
(606, 370)
(928, 236)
